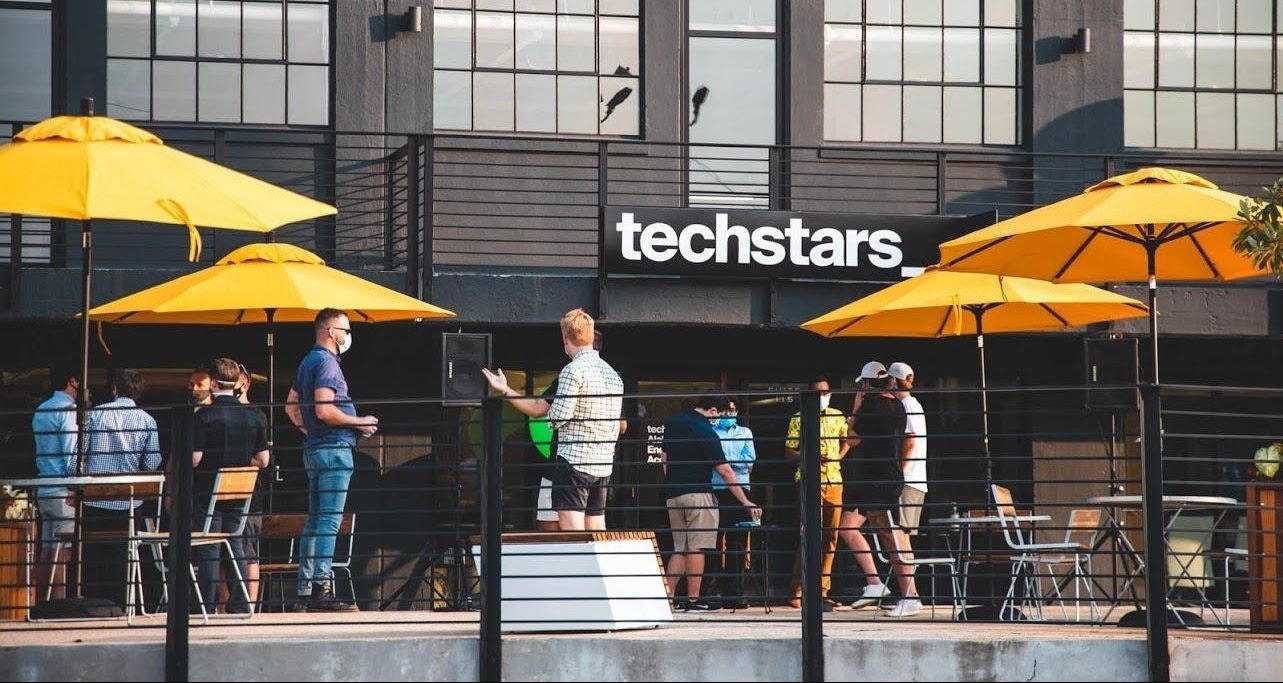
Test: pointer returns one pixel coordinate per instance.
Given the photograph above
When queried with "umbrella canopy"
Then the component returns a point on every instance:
(940, 303)
(1150, 224)
(86, 167)
(261, 283)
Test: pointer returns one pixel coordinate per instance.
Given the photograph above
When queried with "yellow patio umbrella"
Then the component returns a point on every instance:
(939, 303)
(87, 167)
(1150, 224)
(264, 283)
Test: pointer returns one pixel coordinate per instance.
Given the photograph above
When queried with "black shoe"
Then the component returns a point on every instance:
(325, 601)
(701, 606)
(301, 604)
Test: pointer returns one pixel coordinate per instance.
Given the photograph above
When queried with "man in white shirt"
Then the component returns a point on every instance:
(915, 463)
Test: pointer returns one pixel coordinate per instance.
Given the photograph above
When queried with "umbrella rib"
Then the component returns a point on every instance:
(1193, 237)
(1054, 314)
(844, 327)
(944, 321)
(977, 250)
(1077, 252)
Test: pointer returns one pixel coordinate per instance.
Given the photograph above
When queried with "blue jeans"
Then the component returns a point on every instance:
(329, 469)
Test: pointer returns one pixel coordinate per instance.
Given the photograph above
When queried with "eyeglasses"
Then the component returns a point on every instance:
(345, 329)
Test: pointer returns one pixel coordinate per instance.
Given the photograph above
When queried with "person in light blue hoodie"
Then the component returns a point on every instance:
(731, 554)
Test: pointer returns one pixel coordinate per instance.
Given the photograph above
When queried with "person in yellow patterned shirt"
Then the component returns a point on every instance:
(833, 447)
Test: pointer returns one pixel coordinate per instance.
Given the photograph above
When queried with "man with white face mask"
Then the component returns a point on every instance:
(331, 426)
(833, 447)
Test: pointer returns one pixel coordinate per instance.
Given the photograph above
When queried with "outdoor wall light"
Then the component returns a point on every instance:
(412, 20)
(1082, 41)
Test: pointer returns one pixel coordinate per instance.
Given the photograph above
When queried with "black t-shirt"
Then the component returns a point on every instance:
(693, 449)
(880, 424)
(228, 434)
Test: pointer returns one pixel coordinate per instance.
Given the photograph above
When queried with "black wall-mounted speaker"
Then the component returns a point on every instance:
(1112, 361)
(462, 357)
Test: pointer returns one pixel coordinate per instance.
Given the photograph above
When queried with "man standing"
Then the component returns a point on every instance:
(331, 426)
(54, 426)
(122, 440)
(692, 454)
(227, 434)
(915, 462)
(833, 447)
(740, 454)
(586, 414)
(199, 387)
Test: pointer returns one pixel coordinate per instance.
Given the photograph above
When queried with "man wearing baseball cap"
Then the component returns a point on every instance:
(915, 463)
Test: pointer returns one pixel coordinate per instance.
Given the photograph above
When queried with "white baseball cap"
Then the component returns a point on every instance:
(900, 370)
(873, 370)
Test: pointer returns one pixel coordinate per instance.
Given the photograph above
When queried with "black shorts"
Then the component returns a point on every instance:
(250, 536)
(575, 491)
(872, 496)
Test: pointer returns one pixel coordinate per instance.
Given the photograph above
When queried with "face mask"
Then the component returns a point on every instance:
(347, 344)
(726, 422)
(824, 400)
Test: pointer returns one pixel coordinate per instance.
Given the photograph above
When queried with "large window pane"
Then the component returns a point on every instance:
(453, 36)
(264, 93)
(924, 12)
(174, 91)
(732, 15)
(546, 6)
(1215, 61)
(219, 92)
(1253, 63)
(1254, 16)
(1176, 60)
(1175, 119)
(842, 53)
(883, 12)
(537, 42)
(1138, 15)
(26, 79)
(1256, 122)
(575, 6)
(263, 34)
(1000, 56)
(619, 53)
(494, 41)
(493, 100)
(1002, 13)
(967, 12)
(452, 100)
(961, 55)
(923, 113)
(883, 53)
(128, 28)
(129, 88)
(1138, 60)
(501, 5)
(620, 101)
(882, 118)
(309, 97)
(576, 44)
(841, 112)
(1000, 116)
(536, 103)
(843, 10)
(962, 112)
(1138, 118)
(577, 104)
(1176, 15)
(739, 75)
(175, 28)
(1215, 16)
(218, 29)
(309, 33)
(624, 7)
(1215, 117)
(923, 54)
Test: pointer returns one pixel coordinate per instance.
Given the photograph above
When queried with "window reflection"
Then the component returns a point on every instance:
(26, 75)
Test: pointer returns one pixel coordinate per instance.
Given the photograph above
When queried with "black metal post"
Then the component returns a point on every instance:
(86, 282)
(942, 188)
(429, 172)
(413, 285)
(180, 547)
(812, 533)
(603, 198)
(1155, 554)
(15, 258)
(490, 666)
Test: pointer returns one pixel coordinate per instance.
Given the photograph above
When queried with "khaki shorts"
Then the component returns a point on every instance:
(693, 517)
(911, 500)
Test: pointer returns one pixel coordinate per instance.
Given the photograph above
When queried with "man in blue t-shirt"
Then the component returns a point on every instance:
(54, 426)
(328, 419)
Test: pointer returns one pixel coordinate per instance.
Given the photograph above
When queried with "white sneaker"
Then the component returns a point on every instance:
(906, 608)
(873, 593)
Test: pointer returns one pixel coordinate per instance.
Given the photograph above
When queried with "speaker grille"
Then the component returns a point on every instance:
(1112, 361)
(462, 357)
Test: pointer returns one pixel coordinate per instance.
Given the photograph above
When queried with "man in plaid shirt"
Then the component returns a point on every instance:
(586, 414)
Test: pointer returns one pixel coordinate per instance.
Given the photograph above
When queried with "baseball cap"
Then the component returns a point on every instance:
(900, 370)
(873, 370)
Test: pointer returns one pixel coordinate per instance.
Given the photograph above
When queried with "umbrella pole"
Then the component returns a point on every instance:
(273, 466)
(1151, 249)
(82, 396)
(984, 397)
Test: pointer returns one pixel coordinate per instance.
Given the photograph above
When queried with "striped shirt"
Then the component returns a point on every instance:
(122, 440)
(586, 413)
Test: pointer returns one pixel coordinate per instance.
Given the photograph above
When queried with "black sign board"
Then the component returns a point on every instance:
(764, 244)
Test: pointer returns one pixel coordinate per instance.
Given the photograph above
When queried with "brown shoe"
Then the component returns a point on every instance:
(796, 603)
